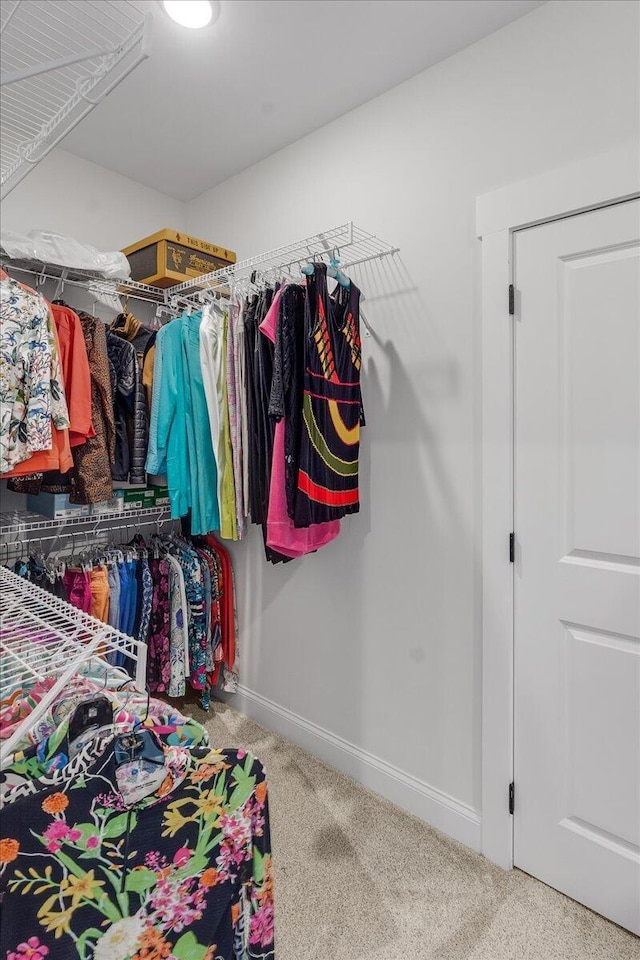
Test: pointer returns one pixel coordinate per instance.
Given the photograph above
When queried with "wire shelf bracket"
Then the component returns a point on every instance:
(42, 637)
(60, 60)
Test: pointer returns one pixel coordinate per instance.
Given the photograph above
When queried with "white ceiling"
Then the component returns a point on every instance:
(209, 103)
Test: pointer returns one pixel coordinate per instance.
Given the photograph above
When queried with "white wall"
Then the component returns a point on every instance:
(377, 638)
(67, 194)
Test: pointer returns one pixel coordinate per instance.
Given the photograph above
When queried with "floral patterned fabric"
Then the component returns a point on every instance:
(31, 391)
(178, 630)
(94, 675)
(158, 644)
(185, 874)
(194, 587)
(147, 601)
(130, 711)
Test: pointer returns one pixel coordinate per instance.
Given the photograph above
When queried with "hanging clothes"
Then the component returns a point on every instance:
(76, 373)
(32, 396)
(227, 488)
(180, 445)
(148, 361)
(91, 475)
(178, 630)
(129, 328)
(205, 511)
(332, 404)
(211, 362)
(167, 453)
(226, 662)
(159, 640)
(58, 457)
(240, 357)
(236, 401)
(281, 325)
(176, 595)
(130, 409)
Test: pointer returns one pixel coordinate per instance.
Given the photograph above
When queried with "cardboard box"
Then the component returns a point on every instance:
(161, 497)
(115, 505)
(56, 506)
(137, 498)
(169, 257)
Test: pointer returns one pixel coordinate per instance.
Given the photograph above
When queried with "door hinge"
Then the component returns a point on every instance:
(512, 300)
(512, 548)
(512, 793)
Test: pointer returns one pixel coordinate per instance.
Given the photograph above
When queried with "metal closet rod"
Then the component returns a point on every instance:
(93, 286)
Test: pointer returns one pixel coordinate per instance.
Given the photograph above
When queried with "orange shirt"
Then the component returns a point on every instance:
(75, 372)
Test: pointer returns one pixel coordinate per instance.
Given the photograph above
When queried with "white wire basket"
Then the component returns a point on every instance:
(44, 637)
(60, 59)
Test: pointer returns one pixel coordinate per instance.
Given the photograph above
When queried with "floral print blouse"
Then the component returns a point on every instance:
(31, 391)
(185, 874)
(178, 630)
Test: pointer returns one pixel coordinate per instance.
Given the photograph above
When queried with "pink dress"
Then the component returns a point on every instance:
(282, 535)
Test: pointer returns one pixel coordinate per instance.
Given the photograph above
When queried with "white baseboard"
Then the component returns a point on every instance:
(456, 819)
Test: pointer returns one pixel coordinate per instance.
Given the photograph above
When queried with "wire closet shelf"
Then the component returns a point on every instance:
(23, 526)
(88, 280)
(59, 61)
(42, 637)
(351, 243)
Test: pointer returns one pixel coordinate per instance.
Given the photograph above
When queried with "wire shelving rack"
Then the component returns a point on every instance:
(44, 637)
(24, 527)
(87, 279)
(351, 243)
(59, 61)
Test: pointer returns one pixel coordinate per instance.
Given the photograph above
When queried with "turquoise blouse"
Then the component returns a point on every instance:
(205, 511)
(179, 435)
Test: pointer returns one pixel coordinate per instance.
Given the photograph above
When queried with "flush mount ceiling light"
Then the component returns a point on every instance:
(192, 13)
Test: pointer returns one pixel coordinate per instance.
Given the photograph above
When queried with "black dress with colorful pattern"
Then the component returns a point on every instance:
(332, 406)
(184, 874)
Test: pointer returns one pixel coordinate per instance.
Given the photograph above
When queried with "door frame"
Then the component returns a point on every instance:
(586, 185)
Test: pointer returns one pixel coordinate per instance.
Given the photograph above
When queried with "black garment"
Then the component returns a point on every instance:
(151, 339)
(130, 329)
(139, 599)
(259, 355)
(266, 426)
(130, 410)
(287, 382)
(38, 574)
(332, 403)
(261, 425)
(251, 333)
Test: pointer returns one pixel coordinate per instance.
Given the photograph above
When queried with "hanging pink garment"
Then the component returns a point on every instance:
(282, 535)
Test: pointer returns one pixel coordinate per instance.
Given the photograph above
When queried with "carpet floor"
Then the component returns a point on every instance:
(359, 879)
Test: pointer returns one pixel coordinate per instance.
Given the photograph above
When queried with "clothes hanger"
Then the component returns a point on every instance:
(333, 270)
(92, 714)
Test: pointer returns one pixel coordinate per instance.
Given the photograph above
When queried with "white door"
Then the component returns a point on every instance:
(577, 558)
